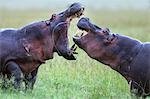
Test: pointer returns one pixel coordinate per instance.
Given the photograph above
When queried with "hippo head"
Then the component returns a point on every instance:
(96, 42)
(59, 24)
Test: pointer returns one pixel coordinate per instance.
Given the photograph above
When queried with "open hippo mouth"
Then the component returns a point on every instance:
(59, 27)
(85, 27)
(93, 35)
(75, 10)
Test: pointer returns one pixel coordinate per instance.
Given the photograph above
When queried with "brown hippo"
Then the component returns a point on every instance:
(23, 50)
(128, 56)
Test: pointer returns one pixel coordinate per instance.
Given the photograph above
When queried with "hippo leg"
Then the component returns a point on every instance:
(4, 82)
(16, 72)
(136, 91)
(30, 79)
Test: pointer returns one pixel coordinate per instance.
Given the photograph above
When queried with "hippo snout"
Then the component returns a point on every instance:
(83, 24)
(76, 9)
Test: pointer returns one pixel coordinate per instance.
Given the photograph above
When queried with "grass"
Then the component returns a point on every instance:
(84, 78)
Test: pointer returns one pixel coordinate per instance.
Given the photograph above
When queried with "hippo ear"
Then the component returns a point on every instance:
(53, 17)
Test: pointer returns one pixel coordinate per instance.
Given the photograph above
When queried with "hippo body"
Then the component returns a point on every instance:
(23, 50)
(134, 64)
(140, 70)
(14, 42)
(9, 47)
(26, 48)
(128, 56)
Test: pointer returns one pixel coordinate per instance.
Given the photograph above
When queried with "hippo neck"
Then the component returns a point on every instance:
(121, 53)
(129, 48)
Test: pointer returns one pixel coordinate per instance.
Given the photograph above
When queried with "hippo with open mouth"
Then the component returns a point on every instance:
(23, 50)
(126, 55)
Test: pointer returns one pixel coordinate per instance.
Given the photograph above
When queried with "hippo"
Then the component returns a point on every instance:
(128, 56)
(23, 50)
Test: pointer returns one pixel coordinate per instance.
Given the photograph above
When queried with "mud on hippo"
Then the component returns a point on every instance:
(126, 55)
(23, 50)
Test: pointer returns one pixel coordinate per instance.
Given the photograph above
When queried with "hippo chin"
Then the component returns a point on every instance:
(128, 56)
(23, 50)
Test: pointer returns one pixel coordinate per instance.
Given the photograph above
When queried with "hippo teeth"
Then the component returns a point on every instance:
(76, 37)
(80, 33)
(79, 12)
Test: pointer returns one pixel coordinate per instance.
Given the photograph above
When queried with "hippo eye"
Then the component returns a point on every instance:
(83, 9)
(106, 31)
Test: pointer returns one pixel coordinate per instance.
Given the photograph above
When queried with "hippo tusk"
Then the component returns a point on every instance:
(82, 34)
(75, 48)
(79, 34)
(72, 47)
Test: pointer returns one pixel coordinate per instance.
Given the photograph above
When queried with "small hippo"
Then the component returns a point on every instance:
(126, 55)
(23, 50)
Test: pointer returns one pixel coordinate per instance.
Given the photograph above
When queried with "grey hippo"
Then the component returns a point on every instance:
(23, 50)
(127, 56)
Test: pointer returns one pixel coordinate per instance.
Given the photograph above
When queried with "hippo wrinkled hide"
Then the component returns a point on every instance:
(126, 55)
(23, 50)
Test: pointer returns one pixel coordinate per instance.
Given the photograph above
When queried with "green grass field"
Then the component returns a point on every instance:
(84, 78)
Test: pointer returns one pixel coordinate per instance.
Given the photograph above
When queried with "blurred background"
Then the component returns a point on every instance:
(54, 4)
(84, 78)
(113, 14)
